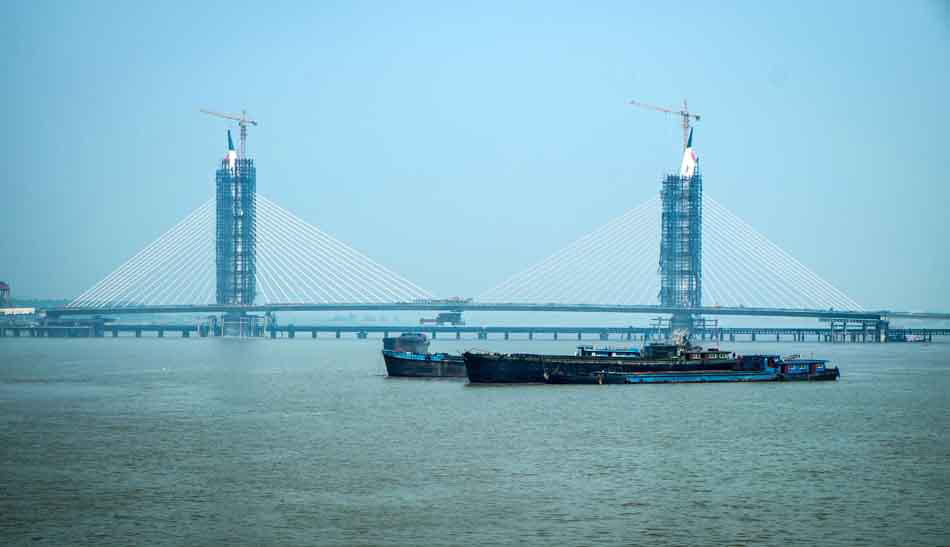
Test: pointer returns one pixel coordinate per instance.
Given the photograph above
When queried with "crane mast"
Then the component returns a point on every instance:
(684, 114)
(242, 120)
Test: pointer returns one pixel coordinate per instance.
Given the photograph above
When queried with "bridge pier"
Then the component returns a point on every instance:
(313, 334)
(337, 334)
(882, 328)
(778, 337)
(138, 333)
(555, 335)
(506, 335)
(482, 335)
(273, 333)
(753, 337)
(604, 336)
(458, 335)
(362, 335)
(161, 333)
(578, 336)
(185, 333)
(433, 335)
(531, 335)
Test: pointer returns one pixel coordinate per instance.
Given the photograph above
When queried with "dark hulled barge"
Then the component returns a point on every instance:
(748, 368)
(507, 368)
(408, 356)
(658, 363)
(655, 358)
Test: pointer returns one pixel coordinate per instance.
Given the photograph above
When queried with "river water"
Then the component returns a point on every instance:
(295, 442)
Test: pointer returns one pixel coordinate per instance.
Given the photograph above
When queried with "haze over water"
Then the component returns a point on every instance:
(221, 441)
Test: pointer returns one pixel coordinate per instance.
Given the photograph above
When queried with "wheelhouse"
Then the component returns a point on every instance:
(591, 351)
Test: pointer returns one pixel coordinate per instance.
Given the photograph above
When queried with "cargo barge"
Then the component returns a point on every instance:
(408, 356)
(747, 368)
(489, 368)
(657, 363)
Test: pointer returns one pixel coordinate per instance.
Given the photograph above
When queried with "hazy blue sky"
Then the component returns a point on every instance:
(459, 144)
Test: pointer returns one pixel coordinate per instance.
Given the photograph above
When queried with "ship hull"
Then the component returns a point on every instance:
(827, 375)
(488, 368)
(700, 377)
(685, 375)
(493, 368)
(423, 365)
(574, 371)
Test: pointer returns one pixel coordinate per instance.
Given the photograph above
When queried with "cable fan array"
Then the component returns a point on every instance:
(296, 263)
(615, 264)
(618, 264)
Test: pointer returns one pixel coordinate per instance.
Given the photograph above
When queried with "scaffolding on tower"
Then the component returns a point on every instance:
(236, 220)
(681, 225)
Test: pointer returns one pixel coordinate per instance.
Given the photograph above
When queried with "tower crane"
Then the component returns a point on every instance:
(242, 120)
(685, 114)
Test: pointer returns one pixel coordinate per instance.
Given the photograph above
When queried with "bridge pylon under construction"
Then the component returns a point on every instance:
(236, 239)
(681, 248)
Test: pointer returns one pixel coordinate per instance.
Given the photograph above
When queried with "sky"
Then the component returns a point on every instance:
(458, 144)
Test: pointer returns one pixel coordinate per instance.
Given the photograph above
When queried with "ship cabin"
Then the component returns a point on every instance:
(662, 351)
(407, 342)
(710, 354)
(788, 368)
(757, 363)
(685, 352)
(803, 367)
(591, 351)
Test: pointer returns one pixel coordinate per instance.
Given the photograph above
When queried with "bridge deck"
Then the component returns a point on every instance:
(499, 307)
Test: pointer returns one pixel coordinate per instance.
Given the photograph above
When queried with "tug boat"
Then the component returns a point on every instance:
(408, 356)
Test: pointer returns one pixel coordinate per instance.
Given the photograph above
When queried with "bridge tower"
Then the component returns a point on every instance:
(236, 239)
(236, 226)
(681, 239)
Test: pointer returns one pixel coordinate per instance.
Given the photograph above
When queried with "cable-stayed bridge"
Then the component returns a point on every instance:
(682, 254)
(611, 270)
